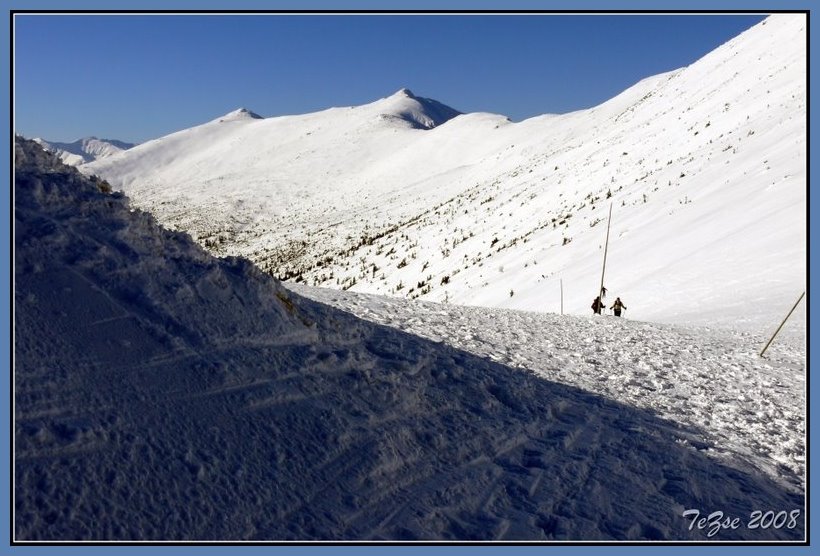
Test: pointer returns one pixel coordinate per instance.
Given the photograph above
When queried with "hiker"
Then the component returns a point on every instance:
(597, 305)
(617, 306)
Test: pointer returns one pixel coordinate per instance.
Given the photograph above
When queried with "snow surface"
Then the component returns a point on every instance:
(84, 150)
(752, 409)
(160, 393)
(705, 168)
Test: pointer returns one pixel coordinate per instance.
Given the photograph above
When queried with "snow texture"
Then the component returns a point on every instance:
(753, 409)
(160, 393)
(704, 167)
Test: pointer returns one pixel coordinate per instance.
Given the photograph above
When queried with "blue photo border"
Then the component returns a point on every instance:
(369, 5)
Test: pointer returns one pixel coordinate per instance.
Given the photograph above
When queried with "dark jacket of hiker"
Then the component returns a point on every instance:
(618, 306)
(597, 305)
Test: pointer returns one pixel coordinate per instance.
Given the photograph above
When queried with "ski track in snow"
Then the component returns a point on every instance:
(751, 408)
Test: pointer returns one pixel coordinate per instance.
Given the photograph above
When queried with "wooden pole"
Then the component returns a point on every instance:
(799, 299)
(562, 296)
(606, 246)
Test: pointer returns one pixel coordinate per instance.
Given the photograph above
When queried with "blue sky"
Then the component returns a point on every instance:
(139, 77)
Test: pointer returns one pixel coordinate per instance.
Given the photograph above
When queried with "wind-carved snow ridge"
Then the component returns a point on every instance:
(162, 394)
(704, 168)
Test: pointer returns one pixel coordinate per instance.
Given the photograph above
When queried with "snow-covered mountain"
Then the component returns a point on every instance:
(163, 394)
(704, 168)
(85, 150)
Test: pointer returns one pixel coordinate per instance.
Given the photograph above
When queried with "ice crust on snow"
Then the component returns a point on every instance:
(160, 393)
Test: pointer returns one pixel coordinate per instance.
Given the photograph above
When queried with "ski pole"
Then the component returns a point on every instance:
(796, 303)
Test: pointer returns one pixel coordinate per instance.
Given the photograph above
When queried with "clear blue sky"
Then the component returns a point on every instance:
(135, 78)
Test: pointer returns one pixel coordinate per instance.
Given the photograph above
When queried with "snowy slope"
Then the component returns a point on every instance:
(753, 408)
(84, 150)
(163, 394)
(705, 168)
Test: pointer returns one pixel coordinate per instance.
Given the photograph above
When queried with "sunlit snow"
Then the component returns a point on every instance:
(414, 377)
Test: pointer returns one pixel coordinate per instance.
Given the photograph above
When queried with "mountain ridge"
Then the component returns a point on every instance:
(481, 210)
(85, 150)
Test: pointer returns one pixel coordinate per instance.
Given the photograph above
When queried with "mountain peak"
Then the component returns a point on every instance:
(240, 114)
(421, 113)
(404, 92)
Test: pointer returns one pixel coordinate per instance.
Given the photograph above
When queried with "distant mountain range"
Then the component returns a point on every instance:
(704, 169)
(85, 150)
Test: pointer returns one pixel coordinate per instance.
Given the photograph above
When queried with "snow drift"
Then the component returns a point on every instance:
(160, 393)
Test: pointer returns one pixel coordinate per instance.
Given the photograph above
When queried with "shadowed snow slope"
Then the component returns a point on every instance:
(705, 168)
(163, 394)
(752, 409)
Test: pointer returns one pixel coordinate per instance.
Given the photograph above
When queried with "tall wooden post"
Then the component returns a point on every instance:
(606, 246)
(781, 324)
(562, 296)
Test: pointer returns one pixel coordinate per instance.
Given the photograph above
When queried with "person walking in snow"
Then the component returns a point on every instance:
(597, 305)
(618, 306)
